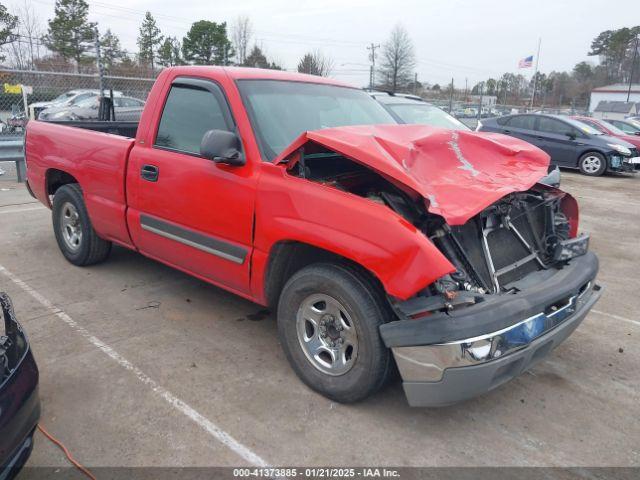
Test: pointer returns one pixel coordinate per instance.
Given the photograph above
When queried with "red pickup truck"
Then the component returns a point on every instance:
(378, 245)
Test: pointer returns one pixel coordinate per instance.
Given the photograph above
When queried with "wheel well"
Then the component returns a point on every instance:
(288, 257)
(57, 178)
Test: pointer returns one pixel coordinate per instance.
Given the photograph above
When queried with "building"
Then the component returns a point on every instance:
(488, 101)
(614, 93)
(616, 110)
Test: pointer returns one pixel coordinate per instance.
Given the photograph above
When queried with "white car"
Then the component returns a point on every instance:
(66, 99)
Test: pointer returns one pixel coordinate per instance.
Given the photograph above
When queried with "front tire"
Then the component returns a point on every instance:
(328, 320)
(593, 164)
(78, 241)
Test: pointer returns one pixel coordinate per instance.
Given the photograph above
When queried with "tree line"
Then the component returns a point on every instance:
(614, 50)
(68, 43)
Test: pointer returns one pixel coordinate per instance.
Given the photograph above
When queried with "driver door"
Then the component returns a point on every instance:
(186, 210)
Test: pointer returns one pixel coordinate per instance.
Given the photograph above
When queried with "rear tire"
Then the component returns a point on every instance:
(328, 320)
(593, 164)
(78, 241)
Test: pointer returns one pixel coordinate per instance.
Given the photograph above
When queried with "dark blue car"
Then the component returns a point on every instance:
(19, 401)
(568, 142)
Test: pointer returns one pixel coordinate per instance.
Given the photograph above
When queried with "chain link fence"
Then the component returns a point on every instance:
(26, 94)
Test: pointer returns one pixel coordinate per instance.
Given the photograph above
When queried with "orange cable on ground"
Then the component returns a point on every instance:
(66, 452)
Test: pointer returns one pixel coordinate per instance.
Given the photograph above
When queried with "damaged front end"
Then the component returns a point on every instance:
(523, 282)
(521, 279)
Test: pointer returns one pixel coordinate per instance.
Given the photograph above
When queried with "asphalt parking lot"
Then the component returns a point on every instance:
(142, 365)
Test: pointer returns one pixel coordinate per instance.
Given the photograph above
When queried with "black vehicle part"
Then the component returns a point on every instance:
(333, 169)
(495, 312)
(12, 343)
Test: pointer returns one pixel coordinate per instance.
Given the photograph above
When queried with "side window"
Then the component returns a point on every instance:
(551, 125)
(525, 122)
(188, 113)
(81, 97)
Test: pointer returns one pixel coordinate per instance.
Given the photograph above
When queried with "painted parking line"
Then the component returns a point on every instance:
(207, 425)
(617, 317)
(20, 210)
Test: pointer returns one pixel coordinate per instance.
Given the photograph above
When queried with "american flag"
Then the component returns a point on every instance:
(526, 62)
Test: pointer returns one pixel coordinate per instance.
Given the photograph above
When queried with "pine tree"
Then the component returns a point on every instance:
(149, 40)
(169, 52)
(8, 24)
(110, 49)
(206, 43)
(70, 32)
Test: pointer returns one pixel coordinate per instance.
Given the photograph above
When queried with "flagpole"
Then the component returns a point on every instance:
(535, 75)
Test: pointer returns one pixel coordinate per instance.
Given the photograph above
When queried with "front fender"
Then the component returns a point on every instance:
(371, 235)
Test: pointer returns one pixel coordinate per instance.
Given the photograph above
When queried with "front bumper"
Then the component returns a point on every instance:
(440, 364)
(19, 400)
(618, 163)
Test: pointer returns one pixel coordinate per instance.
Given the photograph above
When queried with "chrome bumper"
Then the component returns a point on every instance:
(443, 374)
(427, 363)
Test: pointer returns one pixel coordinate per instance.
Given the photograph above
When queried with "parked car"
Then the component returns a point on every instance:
(66, 99)
(371, 241)
(19, 401)
(413, 110)
(125, 108)
(629, 125)
(607, 128)
(569, 143)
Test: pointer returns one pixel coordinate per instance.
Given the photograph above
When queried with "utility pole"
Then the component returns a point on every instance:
(372, 57)
(466, 86)
(415, 83)
(633, 66)
(480, 104)
(451, 98)
(535, 75)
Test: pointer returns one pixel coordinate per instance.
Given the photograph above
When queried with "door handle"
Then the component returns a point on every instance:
(506, 132)
(149, 173)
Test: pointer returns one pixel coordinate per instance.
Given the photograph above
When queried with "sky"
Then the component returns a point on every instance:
(464, 39)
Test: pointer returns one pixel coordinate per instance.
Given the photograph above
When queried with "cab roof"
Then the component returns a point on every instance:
(247, 73)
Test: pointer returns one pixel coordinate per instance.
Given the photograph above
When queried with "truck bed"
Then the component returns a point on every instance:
(123, 129)
(95, 154)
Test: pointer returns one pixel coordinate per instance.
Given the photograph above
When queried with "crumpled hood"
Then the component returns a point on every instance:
(459, 173)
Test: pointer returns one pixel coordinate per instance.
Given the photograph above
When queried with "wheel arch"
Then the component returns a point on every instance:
(56, 178)
(287, 257)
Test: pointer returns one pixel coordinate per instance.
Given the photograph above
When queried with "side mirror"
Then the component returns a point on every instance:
(571, 135)
(222, 146)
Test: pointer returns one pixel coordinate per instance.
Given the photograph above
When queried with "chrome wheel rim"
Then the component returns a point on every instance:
(591, 164)
(71, 226)
(327, 334)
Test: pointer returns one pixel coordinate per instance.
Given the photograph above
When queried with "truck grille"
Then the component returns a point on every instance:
(507, 241)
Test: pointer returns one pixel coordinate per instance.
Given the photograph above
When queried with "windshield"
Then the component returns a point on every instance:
(63, 97)
(612, 128)
(583, 127)
(635, 123)
(280, 111)
(425, 114)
